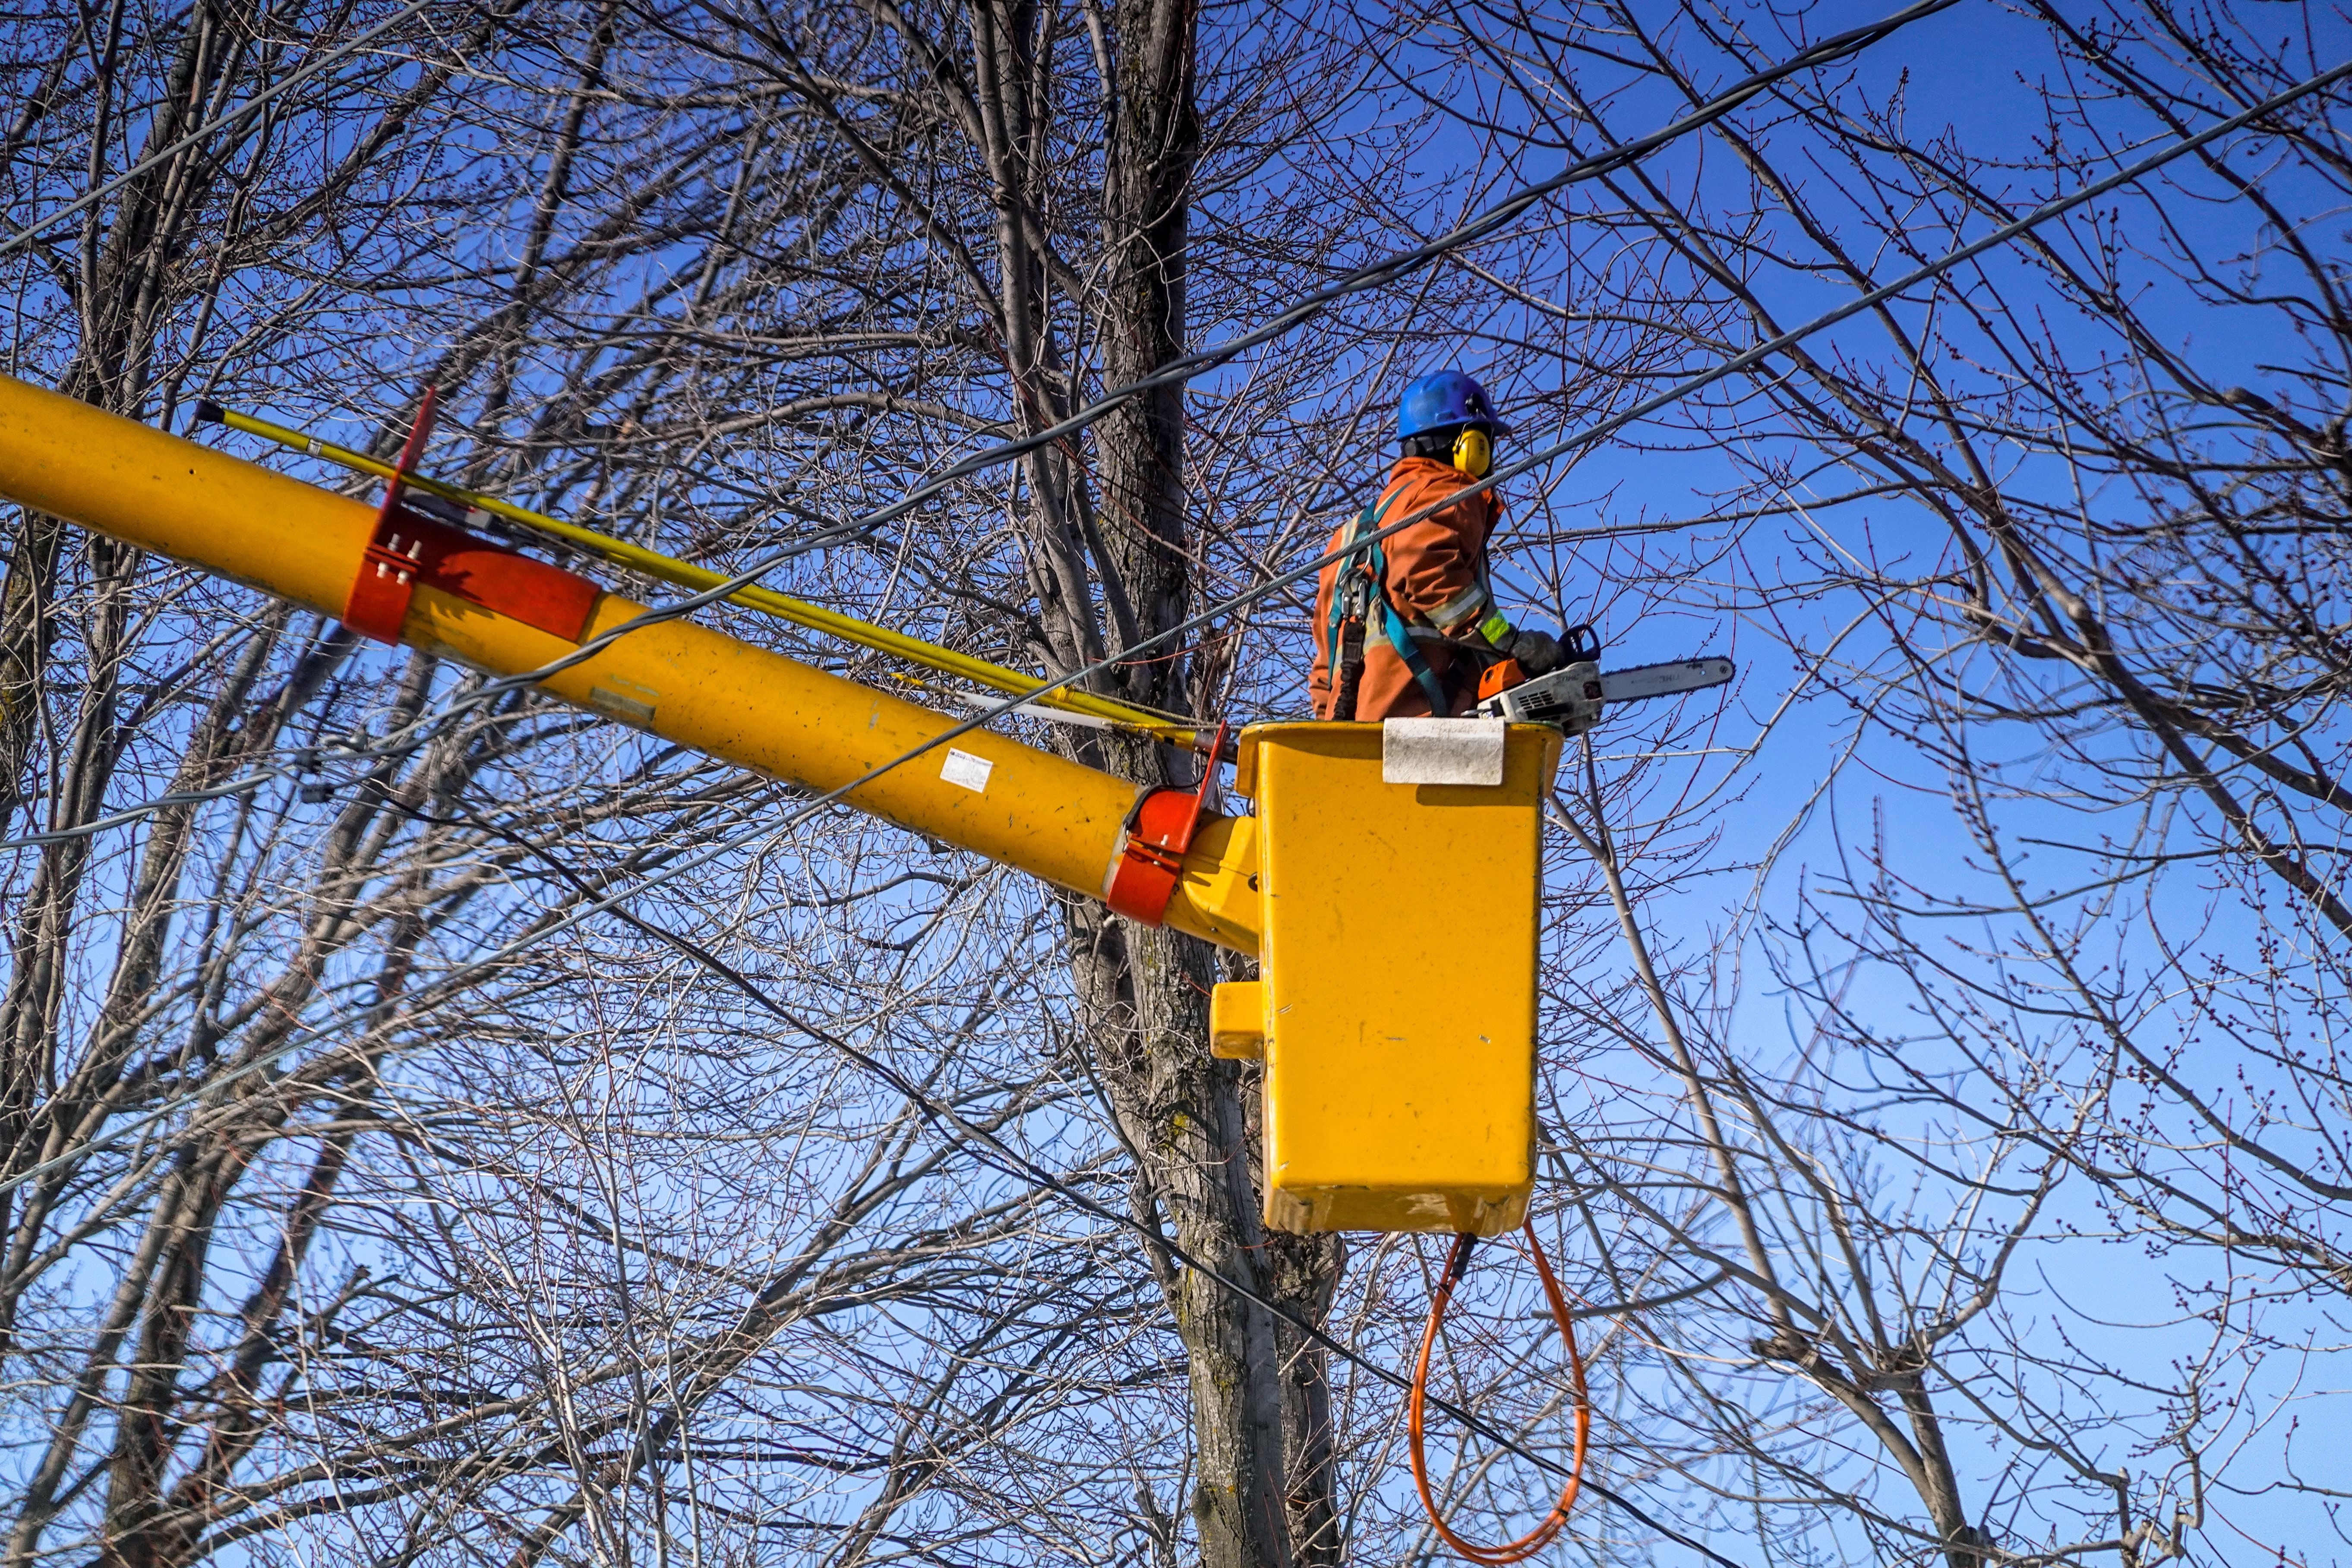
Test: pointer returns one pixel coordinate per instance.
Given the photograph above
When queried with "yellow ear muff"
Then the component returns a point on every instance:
(1474, 452)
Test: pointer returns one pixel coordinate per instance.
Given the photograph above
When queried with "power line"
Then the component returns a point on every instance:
(1392, 267)
(1184, 369)
(1387, 270)
(245, 110)
(2000, 236)
(1010, 1161)
(1014, 1164)
(1591, 434)
(1026, 1169)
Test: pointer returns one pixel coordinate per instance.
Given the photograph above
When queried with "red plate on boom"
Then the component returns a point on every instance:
(406, 549)
(1158, 835)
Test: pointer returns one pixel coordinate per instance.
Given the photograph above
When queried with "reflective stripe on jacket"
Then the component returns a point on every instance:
(1436, 580)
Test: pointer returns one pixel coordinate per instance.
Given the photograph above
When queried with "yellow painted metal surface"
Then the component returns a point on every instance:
(1237, 1020)
(1023, 808)
(1395, 924)
(1218, 896)
(1398, 956)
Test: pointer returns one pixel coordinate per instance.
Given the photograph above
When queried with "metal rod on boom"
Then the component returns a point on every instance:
(685, 574)
(490, 609)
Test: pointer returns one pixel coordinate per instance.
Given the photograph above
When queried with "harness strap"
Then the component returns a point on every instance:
(1345, 580)
(1401, 638)
(1392, 624)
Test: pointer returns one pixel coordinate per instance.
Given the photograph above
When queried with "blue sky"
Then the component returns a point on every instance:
(1971, 70)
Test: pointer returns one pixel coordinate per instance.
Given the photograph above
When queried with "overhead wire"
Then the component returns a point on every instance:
(243, 111)
(448, 984)
(1597, 431)
(1379, 273)
(1004, 1158)
(1590, 434)
(472, 968)
(1388, 269)
(1998, 236)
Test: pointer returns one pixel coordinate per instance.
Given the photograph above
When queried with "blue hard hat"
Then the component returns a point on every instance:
(1446, 397)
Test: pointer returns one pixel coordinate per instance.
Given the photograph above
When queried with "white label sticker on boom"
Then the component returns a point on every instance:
(963, 768)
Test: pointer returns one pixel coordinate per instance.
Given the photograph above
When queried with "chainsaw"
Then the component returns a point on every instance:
(1570, 698)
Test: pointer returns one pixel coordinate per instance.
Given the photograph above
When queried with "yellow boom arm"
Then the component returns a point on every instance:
(1398, 1033)
(699, 688)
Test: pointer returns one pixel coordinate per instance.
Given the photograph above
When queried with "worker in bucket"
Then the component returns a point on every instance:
(1407, 626)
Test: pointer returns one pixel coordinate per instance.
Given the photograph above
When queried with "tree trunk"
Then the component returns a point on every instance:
(1261, 1493)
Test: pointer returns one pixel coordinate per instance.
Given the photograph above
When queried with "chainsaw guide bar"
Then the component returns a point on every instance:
(1572, 699)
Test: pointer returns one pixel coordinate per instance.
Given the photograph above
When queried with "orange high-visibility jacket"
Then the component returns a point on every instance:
(1436, 580)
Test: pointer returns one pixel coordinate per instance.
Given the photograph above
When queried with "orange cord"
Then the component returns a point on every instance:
(1543, 1534)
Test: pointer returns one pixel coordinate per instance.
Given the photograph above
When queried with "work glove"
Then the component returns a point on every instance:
(1538, 653)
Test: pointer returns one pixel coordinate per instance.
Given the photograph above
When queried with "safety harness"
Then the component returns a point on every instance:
(1361, 589)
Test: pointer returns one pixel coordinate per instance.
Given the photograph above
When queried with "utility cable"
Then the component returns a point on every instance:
(1591, 434)
(1398, 265)
(1594, 433)
(2000, 236)
(449, 983)
(2006, 232)
(245, 110)
(1007, 1160)
(1387, 269)
(994, 1151)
